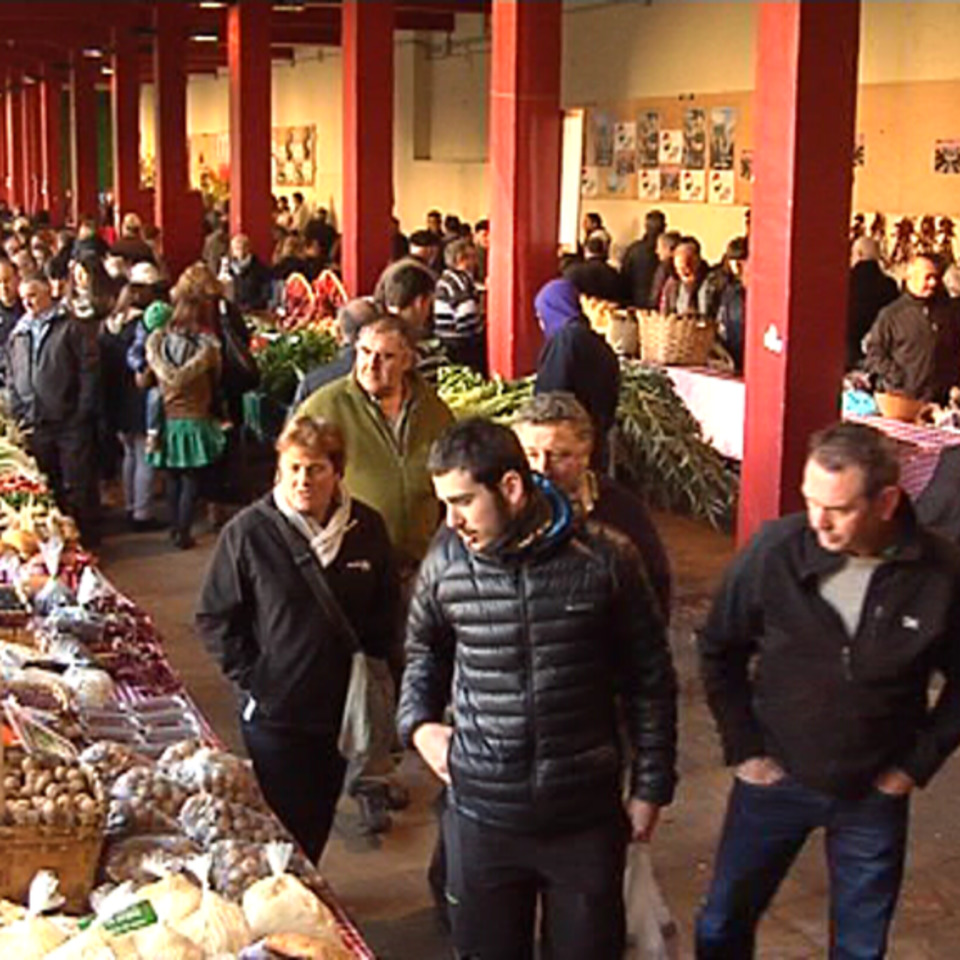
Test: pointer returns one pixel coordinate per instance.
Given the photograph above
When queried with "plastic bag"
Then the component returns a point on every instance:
(173, 897)
(144, 801)
(236, 864)
(206, 819)
(650, 928)
(137, 859)
(280, 903)
(217, 925)
(91, 687)
(111, 760)
(35, 936)
(215, 772)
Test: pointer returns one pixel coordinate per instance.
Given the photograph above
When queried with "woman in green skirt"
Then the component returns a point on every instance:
(183, 359)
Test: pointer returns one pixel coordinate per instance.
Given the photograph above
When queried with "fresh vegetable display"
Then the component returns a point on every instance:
(284, 359)
(660, 450)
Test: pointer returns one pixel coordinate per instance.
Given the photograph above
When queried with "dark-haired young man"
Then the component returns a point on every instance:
(817, 660)
(533, 626)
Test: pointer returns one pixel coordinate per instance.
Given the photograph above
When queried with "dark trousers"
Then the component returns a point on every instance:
(765, 829)
(301, 776)
(182, 489)
(495, 878)
(65, 453)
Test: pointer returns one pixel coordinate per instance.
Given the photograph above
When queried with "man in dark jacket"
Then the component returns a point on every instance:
(870, 291)
(914, 346)
(249, 277)
(817, 657)
(556, 434)
(533, 624)
(593, 276)
(640, 261)
(53, 385)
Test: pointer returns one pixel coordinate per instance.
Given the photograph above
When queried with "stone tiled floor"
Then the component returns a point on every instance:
(382, 881)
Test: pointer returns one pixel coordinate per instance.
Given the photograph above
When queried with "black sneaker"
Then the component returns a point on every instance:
(150, 525)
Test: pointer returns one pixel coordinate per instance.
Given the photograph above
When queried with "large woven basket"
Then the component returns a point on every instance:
(896, 406)
(72, 853)
(677, 341)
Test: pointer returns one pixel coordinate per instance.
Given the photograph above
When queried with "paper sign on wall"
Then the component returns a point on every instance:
(648, 185)
(671, 147)
(721, 186)
(693, 186)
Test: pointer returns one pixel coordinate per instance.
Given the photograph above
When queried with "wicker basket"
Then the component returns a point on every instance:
(677, 341)
(72, 853)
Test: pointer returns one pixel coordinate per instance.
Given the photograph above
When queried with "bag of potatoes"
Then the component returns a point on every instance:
(280, 903)
(217, 926)
(35, 936)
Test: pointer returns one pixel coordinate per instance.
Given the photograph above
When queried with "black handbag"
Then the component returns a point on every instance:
(240, 370)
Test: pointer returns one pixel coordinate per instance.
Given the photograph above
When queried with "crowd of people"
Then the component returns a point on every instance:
(494, 588)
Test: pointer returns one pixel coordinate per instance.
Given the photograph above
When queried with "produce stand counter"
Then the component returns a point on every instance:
(134, 693)
(718, 402)
(102, 746)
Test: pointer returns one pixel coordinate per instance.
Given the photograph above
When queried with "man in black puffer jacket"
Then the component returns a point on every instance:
(535, 626)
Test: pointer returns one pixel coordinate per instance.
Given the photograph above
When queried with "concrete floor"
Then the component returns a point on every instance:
(381, 882)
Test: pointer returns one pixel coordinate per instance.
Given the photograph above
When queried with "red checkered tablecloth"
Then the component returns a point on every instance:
(919, 448)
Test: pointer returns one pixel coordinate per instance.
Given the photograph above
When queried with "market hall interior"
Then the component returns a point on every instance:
(162, 109)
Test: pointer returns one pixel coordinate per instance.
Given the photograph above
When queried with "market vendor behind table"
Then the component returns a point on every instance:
(260, 618)
(913, 347)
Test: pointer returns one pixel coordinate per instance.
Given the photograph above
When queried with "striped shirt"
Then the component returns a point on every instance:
(456, 306)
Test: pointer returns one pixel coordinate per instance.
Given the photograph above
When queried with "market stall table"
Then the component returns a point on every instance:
(717, 401)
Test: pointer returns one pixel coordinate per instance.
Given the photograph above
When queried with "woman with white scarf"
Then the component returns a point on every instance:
(286, 640)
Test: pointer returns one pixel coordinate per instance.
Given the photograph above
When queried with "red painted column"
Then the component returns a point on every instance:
(367, 141)
(248, 53)
(179, 213)
(83, 106)
(31, 146)
(4, 192)
(804, 115)
(525, 131)
(51, 146)
(14, 127)
(125, 110)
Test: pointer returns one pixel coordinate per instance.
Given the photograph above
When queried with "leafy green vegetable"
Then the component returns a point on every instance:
(660, 450)
(284, 361)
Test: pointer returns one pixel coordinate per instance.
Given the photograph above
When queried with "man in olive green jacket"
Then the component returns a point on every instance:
(390, 417)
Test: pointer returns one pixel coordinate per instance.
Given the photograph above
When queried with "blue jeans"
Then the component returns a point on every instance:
(765, 828)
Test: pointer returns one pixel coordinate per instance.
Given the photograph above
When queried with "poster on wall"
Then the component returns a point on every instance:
(589, 182)
(209, 162)
(746, 165)
(946, 156)
(694, 138)
(723, 137)
(648, 140)
(293, 156)
(721, 186)
(693, 186)
(625, 162)
(648, 185)
(615, 184)
(671, 147)
(669, 183)
(625, 137)
(602, 140)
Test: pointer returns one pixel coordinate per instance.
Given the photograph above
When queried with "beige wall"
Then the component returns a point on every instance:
(611, 51)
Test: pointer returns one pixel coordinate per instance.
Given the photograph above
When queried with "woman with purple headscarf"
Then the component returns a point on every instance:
(576, 359)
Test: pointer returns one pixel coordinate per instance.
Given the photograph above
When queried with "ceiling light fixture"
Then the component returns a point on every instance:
(211, 5)
(205, 38)
(289, 7)
(93, 53)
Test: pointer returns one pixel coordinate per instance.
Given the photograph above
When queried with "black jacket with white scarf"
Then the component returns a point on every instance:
(259, 618)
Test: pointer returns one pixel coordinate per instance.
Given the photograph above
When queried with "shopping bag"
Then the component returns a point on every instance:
(650, 928)
(367, 729)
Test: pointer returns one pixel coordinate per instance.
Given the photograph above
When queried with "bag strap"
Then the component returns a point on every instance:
(309, 567)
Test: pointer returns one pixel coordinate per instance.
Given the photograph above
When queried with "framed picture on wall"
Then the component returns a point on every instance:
(294, 156)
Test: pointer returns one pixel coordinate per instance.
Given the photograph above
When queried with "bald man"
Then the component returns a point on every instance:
(913, 348)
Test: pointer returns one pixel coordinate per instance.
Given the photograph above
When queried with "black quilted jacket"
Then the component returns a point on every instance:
(534, 645)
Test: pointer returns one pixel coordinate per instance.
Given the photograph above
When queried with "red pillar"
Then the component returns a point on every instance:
(525, 129)
(4, 191)
(367, 141)
(125, 109)
(805, 108)
(179, 213)
(14, 117)
(51, 146)
(31, 146)
(248, 53)
(83, 106)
